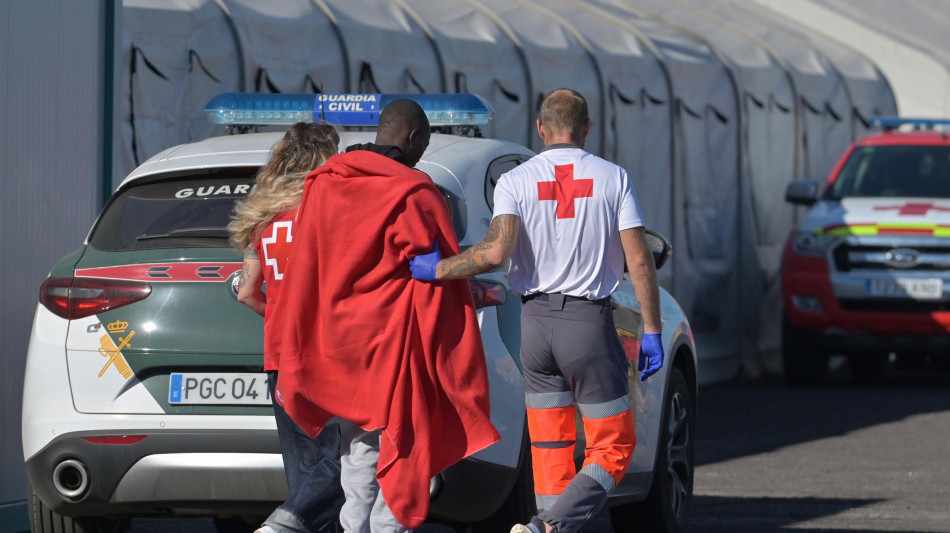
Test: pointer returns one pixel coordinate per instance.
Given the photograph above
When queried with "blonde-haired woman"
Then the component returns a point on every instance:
(262, 228)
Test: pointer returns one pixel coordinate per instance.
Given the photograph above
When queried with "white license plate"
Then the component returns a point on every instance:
(917, 288)
(212, 388)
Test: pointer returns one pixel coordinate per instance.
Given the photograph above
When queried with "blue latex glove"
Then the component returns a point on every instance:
(651, 355)
(423, 266)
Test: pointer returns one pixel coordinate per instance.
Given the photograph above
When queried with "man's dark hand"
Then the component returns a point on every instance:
(651, 355)
(423, 266)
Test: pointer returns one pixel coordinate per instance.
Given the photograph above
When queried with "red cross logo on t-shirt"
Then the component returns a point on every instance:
(565, 190)
(277, 247)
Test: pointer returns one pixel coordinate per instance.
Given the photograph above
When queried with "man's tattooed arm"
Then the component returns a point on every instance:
(491, 252)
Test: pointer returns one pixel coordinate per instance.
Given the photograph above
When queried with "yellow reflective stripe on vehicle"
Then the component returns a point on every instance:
(876, 229)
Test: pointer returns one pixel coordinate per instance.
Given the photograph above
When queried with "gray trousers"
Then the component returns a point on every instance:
(365, 510)
(572, 358)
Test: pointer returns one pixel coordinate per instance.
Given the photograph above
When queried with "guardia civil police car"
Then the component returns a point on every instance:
(867, 272)
(144, 393)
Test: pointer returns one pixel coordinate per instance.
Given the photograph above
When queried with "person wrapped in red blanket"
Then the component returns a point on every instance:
(400, 362)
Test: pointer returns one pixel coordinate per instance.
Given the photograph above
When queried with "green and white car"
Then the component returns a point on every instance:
(144, 392)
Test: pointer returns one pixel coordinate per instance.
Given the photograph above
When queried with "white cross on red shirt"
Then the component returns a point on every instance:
(276, 247)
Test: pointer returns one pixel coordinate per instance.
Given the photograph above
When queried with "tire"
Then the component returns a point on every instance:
(520, 505)
(666, 508)
(803, 361)
(44, 520)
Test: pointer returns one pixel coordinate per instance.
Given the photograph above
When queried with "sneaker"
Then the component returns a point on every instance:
(265, 529)
(525, 528)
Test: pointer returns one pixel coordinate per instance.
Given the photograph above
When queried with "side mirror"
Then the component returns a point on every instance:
(660, 246)
(803, 191)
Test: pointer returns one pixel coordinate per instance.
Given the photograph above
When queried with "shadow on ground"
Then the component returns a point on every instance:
(743, 418)
(712, 514)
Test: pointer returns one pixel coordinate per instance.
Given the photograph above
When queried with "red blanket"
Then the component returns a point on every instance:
(364, 341)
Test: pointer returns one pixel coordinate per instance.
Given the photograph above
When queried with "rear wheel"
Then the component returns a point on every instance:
(666, 508)
(44, 520)
(805, 363)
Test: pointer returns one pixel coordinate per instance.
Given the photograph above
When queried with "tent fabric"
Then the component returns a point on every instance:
(388, 49)
(706, 185)
(823, 103)
(556, 56)
(481, 54)
(181, 54)
(917, 78)
(288, 47)
(922, 25)
(919, 24)
(767, 146)
(868, 90)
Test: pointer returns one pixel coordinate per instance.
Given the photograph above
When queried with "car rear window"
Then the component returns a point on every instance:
(905, 170)
(190, 211)
(185, 211)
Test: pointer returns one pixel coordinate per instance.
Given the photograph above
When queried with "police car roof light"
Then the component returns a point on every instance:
(893, 123)
(264, 109)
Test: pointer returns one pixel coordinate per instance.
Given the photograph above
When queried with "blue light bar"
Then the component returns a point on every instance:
(892, 123)
(264, 109)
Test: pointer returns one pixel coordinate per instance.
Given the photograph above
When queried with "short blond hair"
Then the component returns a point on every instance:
(563, 111)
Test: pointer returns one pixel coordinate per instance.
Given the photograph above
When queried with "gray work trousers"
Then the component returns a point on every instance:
(365, 510)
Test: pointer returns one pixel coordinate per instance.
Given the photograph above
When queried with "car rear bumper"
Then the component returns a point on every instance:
(213, 472)
(167, 472)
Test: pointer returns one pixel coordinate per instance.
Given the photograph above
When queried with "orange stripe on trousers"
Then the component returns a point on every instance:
(610, 443)
(553, 467)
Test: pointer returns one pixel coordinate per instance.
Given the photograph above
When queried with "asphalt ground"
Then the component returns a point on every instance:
(841, 456)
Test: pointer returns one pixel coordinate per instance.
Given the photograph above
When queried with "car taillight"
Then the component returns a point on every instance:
(486, 293)
(116, 439)
(73, 298)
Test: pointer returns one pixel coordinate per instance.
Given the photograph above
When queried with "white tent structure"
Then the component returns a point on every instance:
(712, 105)
(482, 55)
(389, 48)
(823, 103)
(863, 85)
(180, 54)
(556, 55)
(868, 90)
(289, 46)
(907, 40)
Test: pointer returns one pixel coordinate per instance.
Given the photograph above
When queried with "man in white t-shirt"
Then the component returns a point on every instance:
(568, 220)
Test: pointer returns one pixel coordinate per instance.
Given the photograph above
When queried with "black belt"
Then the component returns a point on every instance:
(544, 297)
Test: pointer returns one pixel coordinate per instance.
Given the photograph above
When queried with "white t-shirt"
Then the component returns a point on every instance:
(572, 206)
